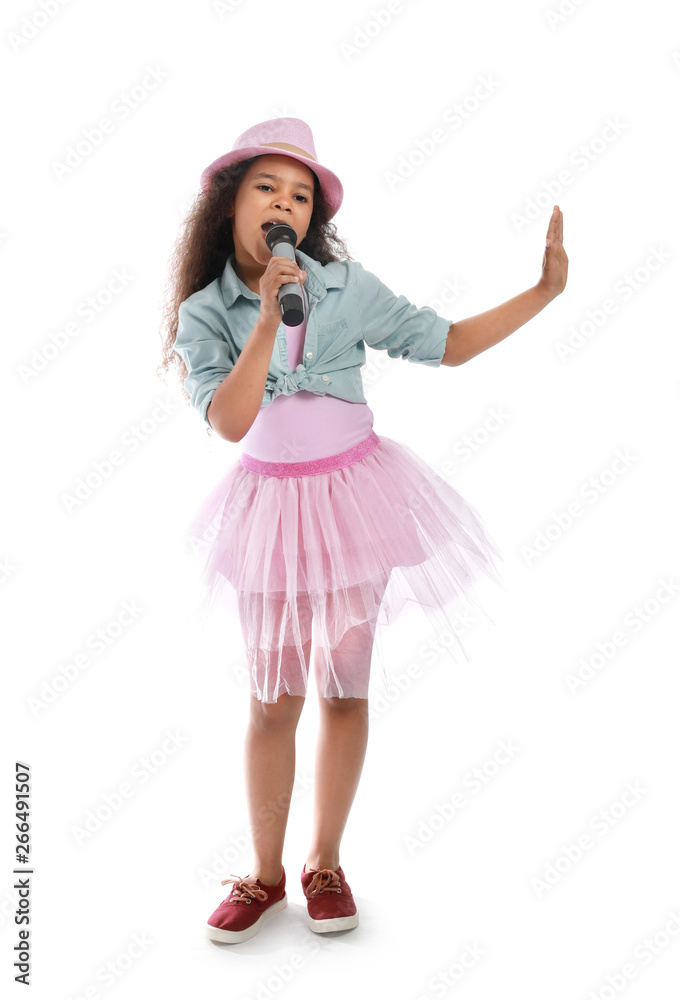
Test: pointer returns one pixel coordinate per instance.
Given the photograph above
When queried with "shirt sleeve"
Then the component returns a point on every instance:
(390, 322)
(205, 346)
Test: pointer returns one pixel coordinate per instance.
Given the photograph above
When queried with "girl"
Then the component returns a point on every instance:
(320, 520)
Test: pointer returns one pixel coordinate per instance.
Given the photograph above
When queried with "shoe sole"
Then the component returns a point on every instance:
(233, 937)
(333, 923)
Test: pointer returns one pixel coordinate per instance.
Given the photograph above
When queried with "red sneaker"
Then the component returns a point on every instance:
(240, 915)
(330, 904)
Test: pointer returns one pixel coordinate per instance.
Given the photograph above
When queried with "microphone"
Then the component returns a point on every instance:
(281, 239)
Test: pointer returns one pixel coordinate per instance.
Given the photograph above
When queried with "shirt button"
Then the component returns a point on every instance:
(324, 378)
(309, 354)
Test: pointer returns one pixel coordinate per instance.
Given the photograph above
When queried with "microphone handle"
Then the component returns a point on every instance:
(290, 294)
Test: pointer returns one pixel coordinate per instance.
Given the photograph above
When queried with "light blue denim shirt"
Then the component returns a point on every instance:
(348, 306)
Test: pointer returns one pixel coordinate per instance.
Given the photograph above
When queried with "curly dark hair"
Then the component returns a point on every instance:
(205, 242)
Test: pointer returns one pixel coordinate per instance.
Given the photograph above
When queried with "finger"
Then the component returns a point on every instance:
(557, 219)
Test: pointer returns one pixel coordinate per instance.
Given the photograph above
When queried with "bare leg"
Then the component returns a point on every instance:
(341, 749)
(343, 737)
(270, 776)
(270, 754)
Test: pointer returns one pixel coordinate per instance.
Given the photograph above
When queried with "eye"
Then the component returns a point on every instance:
(269, 186)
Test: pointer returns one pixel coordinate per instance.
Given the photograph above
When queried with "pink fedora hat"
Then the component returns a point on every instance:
(284, 137)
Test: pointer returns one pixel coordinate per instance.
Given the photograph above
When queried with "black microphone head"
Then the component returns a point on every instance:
(280, 232)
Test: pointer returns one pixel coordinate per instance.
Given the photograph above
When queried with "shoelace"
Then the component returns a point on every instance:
(324, 880)
(245, 889)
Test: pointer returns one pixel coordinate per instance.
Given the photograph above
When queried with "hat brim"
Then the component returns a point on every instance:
(330, 182)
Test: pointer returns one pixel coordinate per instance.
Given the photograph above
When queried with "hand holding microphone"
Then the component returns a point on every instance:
(281, 239)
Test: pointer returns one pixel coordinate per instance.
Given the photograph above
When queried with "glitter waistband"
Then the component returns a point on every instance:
(317, 465)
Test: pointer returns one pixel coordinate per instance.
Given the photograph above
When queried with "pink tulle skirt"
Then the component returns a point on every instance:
(341, 543)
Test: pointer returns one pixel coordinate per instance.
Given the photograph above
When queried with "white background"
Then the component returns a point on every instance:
(152, 867)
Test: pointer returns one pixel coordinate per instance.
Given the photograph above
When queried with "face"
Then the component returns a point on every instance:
(287, 196)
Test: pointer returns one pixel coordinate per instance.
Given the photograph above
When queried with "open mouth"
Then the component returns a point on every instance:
(266, 227)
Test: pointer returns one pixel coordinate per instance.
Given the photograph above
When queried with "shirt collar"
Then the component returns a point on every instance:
(318, 280)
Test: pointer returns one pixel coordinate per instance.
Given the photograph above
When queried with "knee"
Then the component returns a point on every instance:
(278, 715)
(345, 705)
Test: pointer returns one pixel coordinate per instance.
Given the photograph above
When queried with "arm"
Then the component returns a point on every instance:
(391, 323)
(237, 399)
(470, 337)
(225, 386)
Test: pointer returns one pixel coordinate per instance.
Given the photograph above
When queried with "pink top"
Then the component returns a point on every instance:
(305, 426)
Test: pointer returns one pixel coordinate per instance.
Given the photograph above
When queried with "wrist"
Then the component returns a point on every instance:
(543, 294)
(268, 325)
